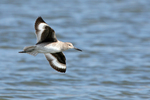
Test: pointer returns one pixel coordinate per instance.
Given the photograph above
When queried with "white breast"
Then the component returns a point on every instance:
(53, 49)
(48, 48)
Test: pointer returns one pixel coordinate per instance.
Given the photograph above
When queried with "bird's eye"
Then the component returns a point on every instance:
(69, 44)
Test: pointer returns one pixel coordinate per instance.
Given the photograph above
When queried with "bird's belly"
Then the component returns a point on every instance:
(47, 49)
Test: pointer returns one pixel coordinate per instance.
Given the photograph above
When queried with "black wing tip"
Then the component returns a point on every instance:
(38, 21)
(61, 70)
(39, 17)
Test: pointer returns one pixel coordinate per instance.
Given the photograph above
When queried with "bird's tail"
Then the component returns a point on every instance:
(30, 50)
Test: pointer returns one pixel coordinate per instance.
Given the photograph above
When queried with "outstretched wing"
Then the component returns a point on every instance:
(57, 61)
(44, 32)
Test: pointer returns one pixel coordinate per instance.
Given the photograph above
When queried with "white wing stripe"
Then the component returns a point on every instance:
(41, 28)
(55, 61)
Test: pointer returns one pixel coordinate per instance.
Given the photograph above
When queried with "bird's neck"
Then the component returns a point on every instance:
(63, 46)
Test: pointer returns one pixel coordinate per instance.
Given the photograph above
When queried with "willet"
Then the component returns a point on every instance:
(48, 44)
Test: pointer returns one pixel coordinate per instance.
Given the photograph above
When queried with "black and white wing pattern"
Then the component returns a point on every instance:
(57, 61)
(44, 32)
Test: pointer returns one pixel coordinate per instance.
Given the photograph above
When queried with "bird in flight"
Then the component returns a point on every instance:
(48, 44)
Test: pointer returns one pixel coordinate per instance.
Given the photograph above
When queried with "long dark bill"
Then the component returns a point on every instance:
(78, 49)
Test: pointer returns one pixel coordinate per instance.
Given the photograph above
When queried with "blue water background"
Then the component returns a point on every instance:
(113, 34)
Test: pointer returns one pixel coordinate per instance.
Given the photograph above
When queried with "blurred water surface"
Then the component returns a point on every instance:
(114, 36)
